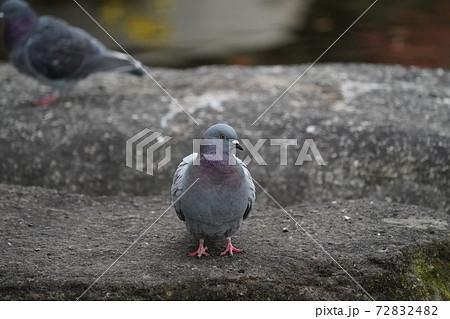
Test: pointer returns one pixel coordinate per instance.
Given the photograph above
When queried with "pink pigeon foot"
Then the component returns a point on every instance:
(230, 248)
(200, 251)
(47, 101)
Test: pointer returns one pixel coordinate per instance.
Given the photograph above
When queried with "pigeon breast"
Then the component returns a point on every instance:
(215, 206)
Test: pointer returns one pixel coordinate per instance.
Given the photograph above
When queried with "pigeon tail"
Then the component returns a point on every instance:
(114, 61)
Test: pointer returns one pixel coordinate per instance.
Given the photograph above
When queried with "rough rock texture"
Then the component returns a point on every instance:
(383, 131)
(55, 245)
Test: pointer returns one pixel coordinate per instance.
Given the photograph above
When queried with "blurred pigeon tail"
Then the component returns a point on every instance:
(114, 61)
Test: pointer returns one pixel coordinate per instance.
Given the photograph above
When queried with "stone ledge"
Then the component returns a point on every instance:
(54, 245)
(382, 130)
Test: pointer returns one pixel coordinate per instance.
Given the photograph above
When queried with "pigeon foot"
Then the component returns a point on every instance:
(47, 101)
(200, 251)
(230, 249)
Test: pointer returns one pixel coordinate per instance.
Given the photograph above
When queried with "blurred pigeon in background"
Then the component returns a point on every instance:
(55, 53)
(222, 193)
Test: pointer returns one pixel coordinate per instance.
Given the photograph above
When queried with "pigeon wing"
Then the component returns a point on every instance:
(178, 184)
(57, 50)
(251, 187)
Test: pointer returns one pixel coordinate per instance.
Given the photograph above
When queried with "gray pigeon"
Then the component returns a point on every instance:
(221, 192)
(55, 53)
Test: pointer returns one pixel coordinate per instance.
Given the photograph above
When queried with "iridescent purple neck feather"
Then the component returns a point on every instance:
(17, 28)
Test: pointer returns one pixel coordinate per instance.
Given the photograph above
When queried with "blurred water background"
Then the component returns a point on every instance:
(187, 33)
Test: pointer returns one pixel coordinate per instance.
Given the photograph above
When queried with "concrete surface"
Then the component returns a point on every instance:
(55, 245)
(383, 131)
(69, 207)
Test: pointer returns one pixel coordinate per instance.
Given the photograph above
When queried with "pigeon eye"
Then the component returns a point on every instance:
(222, 136)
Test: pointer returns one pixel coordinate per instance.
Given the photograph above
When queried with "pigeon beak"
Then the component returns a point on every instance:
(236, 143)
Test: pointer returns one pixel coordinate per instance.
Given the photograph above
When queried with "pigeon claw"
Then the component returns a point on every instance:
(200, 251)
(230, 249)
(47, 101)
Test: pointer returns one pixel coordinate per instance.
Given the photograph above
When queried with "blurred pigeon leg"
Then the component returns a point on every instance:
(50, 100)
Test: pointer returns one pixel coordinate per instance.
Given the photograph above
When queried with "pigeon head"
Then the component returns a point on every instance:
(20, 19)
(16, 10)
(220, 132)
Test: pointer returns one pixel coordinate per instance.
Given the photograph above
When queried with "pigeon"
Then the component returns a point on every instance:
(54, 52)
(214, 192)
